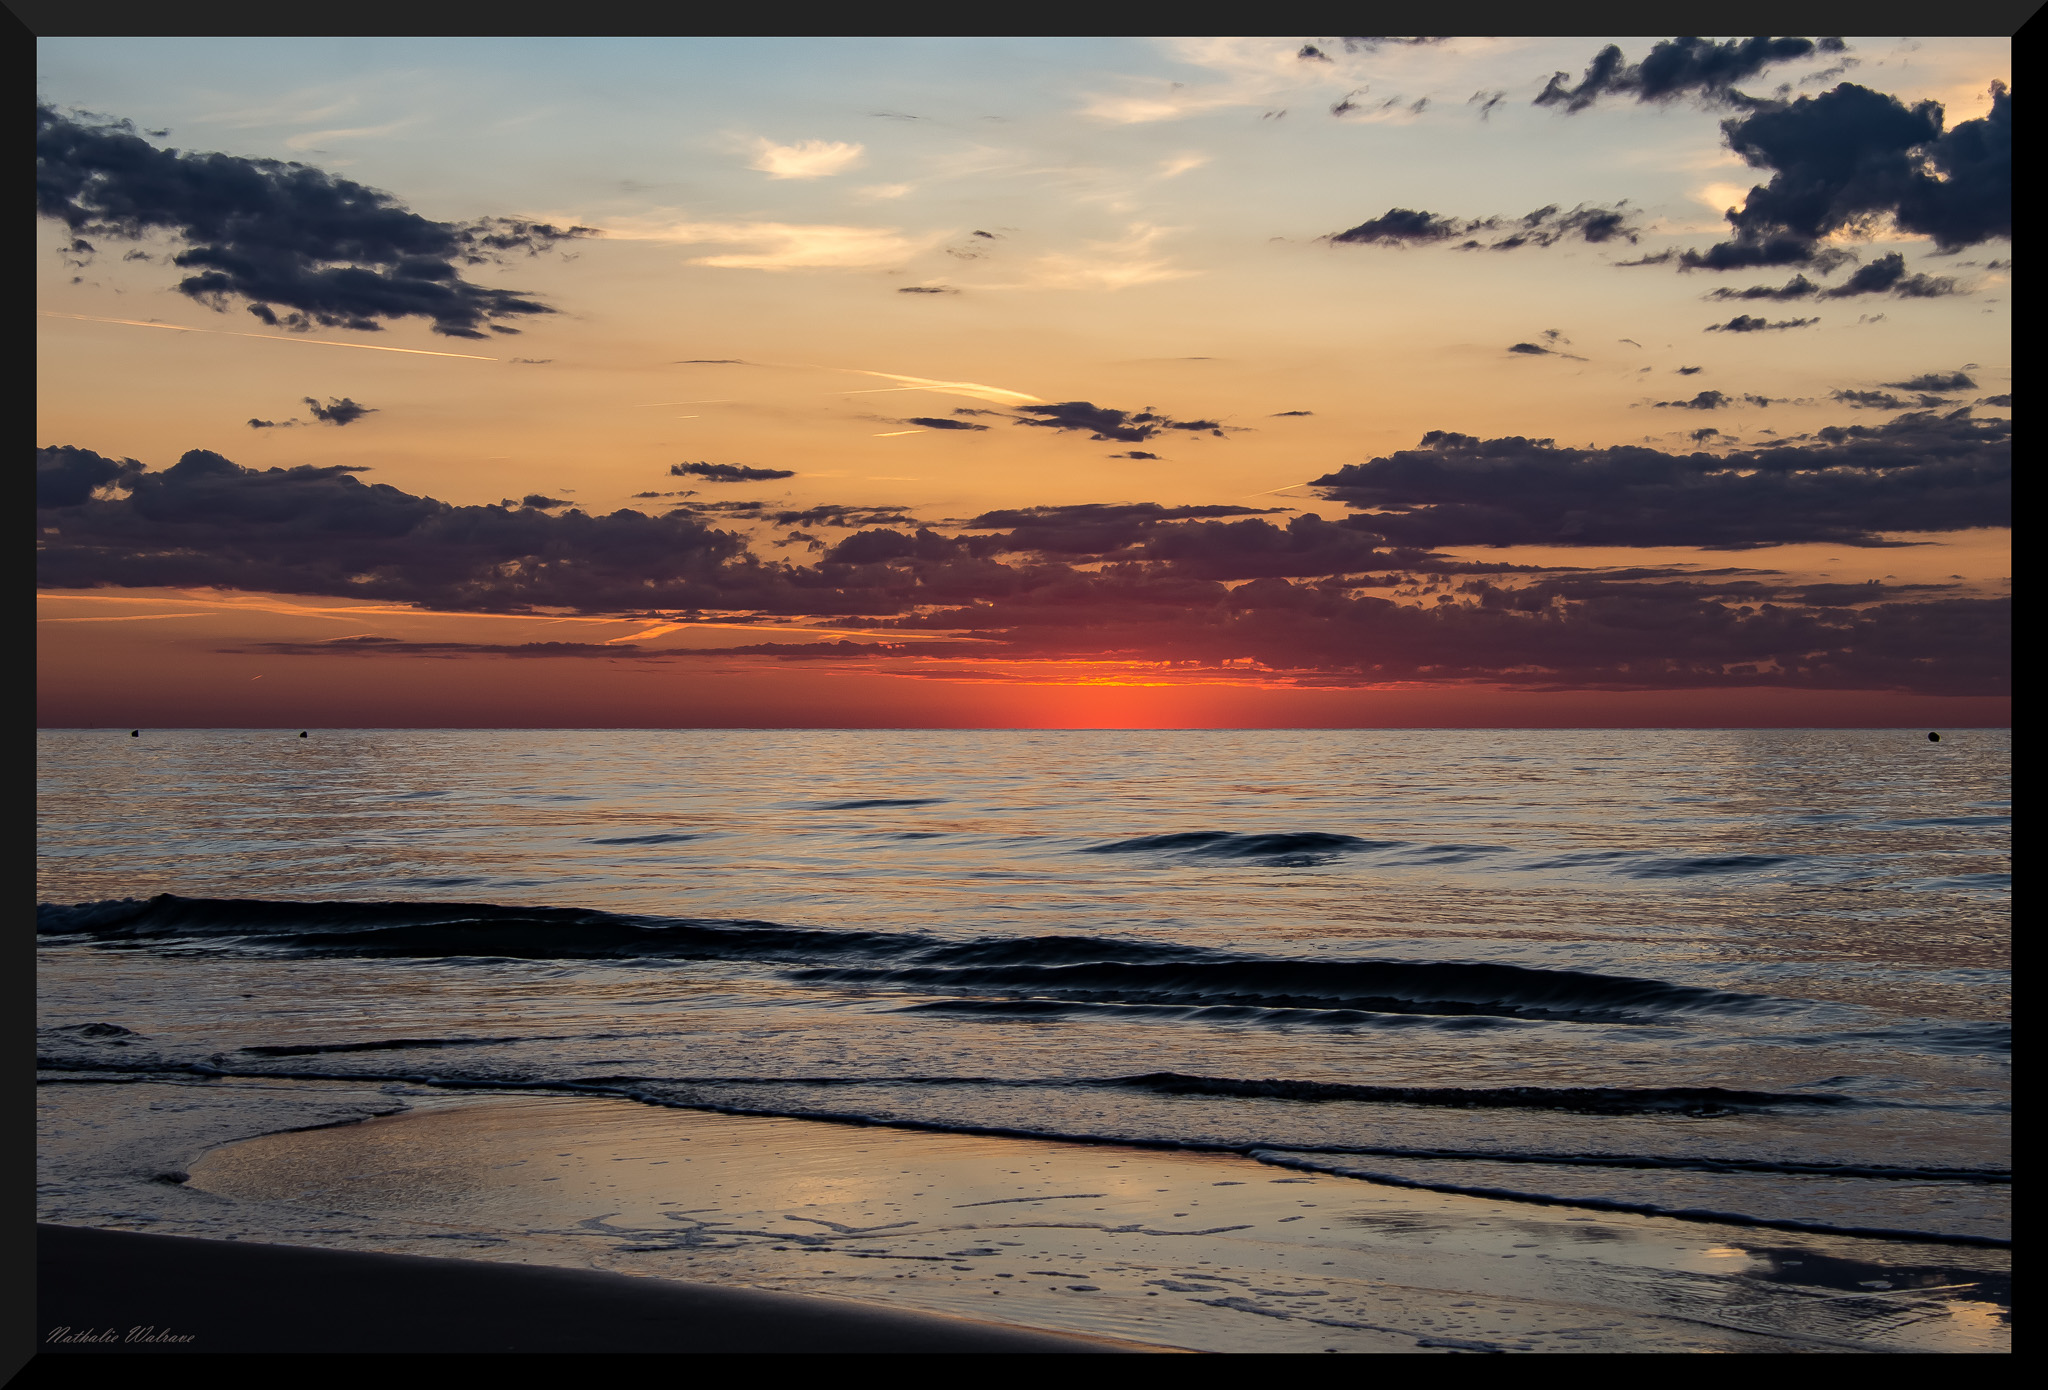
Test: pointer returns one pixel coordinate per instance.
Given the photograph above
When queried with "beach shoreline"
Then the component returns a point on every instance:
(1099, 1244)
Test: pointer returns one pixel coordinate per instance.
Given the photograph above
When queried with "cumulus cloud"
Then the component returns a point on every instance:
(727, 472)
(1848, 486)
(68, 477)
(806, 159)
(296, 245)
(1844, 159)
(1685, 67)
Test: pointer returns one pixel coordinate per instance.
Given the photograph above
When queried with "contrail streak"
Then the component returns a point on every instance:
(273, 337)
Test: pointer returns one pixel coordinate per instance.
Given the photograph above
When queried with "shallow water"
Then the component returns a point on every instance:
(1761, 974)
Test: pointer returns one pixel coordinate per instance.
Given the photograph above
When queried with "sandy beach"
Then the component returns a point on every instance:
(703, 1229)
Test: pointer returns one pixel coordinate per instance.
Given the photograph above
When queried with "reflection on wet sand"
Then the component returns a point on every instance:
(1201, 1251)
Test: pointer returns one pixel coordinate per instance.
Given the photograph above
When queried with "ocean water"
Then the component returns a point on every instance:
(1757, 974)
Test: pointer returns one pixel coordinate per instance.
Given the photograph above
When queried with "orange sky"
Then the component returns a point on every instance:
(863, 233)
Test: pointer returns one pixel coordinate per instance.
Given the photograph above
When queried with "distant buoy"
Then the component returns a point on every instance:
(302, 733)
(1934, 738)
(135, 733)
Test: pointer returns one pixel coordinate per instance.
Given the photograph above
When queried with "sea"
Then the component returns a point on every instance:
(1759, 977)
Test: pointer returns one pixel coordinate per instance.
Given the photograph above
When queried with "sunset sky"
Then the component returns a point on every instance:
(1024, 382)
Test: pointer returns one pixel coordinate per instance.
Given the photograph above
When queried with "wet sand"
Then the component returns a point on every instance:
(1164, 1249)
(1203, 1252)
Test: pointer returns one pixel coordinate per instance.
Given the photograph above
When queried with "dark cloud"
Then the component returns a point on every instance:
(1182, 588)
(1374, 45)
(1091, 529)
(1798, 287)
(68, 477)
(299, 246)
(256, 424)
(939, 422)
(1936, 381)
(835, 514)
(1705, 400)
(1885, 275)
(1311, 54)
(1687, 67)
(1749, 323)
(1546, 226)
(1921, 472)
(530, 361)
(541, 502)
(1702, 436)
(1397, 226)
(1103, 423)
(926, 289)
(1688, 371)
(1538, 350)
(342, 411)
(1135, 454)
(1279, 413)
(207, 522)
(1885, 400)
(2002, 402)
(1848, 156)
(727, 472)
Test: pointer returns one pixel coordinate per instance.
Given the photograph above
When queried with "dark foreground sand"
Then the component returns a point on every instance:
(122, 1292)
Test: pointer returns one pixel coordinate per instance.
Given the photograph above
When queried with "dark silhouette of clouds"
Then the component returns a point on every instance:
(297, 245)
(1546, 226)
(1688, 371)
(1885, 400)
(727, 472)
(1103, 423)
(1135, 454)
(1190, 587)
(939, 422)
(1885, 275)
(1279, 413)
(1705, 400)
(1920, 472)
(1749, 323)
(925, 289)
(342, 411)
(68, 477)
(1850, 155)
(1685, 67)
(1936, 381)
